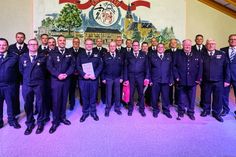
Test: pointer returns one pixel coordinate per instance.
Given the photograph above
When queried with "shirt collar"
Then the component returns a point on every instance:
(209, 52)
(17, 45)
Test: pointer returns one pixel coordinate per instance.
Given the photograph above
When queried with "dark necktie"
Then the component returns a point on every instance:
(136, 55)
(76, 50)
(20, 48)
(1, 57)
(211, 53)
(62, 51)
(44, 48)
(89, 53)
(33, 58)
(161, 56)
(153, 48)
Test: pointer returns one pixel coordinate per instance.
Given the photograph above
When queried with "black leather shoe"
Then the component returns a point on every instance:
(36, 112)
(29, 130)
(39, 129)
(53, 128)
(83, 117)
(168, 115)
(107, 113)
(224, 113)
(95, 116)
(66, 121)
(71, 107)
(204, 113)
(1, 124)
(218, 118)
(155, 114)
(118, 112)
(15, 124)
(46, 120)
(181, 115)
(130, 113)
(143, 114)
(191, 116)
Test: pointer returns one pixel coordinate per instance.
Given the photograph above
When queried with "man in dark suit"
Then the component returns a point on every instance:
(119, 47)
(112, 76)
(147, 94)
(44, 43)
(102, 51)
(75, 50)
(61, 65)
(128, 44)
(48, 97)
(173, 50)
(8, 78)
(161, 77)
(19, 47)
(136, 75)
(32, 66)
(200, 48)
(230, 53)
(89, 65)
(187, 73)
(153, 46)
(216, 76)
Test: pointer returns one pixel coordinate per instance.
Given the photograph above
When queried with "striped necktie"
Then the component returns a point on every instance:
(233, 52)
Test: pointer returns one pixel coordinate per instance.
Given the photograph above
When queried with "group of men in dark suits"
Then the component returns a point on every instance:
(51, 74)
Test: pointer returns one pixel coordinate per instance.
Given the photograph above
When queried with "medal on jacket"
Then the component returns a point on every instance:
(58, 58)
(25, 63)
(38, 64)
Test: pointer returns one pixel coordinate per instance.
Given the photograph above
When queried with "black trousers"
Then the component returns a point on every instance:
(163, 90)
(187, 96)
(215, 89)
(139, 84)
(28, 94)
(60, 91)
(89, 89)
(73, 84)
(7, 93)
(226, 96)
(113, 93)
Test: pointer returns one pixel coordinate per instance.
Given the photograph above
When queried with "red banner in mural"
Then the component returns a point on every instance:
(118, 3)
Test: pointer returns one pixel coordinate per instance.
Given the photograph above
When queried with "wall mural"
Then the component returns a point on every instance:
(107, 19)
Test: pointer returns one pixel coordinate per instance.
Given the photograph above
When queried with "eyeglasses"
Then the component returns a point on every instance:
(32, 44)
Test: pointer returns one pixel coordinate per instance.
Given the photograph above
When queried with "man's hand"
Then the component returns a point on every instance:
(126, 83)
(177, 79)
(150, 83)
(61, 77)
(198, 82)
(121, 80)
(146, 82)
(104, 81)
(92, 77)
(86, 76)
(226, 84)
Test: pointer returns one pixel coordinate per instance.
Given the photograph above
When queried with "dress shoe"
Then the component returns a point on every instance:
(224, 113)
(218, 118)
(95, 116)
(15, 124)
(155, 114)
(39, 129)
(143, 114)
(107, 113)
(168, 115)
(130, 113)
(83, 117)
(204, 113)
(1, 124)
(53, 128)
(29, 129)
(71, 107)
(235, 112)
(191, 116)
(118, 112)
(46, 120)
(66, 121)
(36, 112)
(181, 115)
